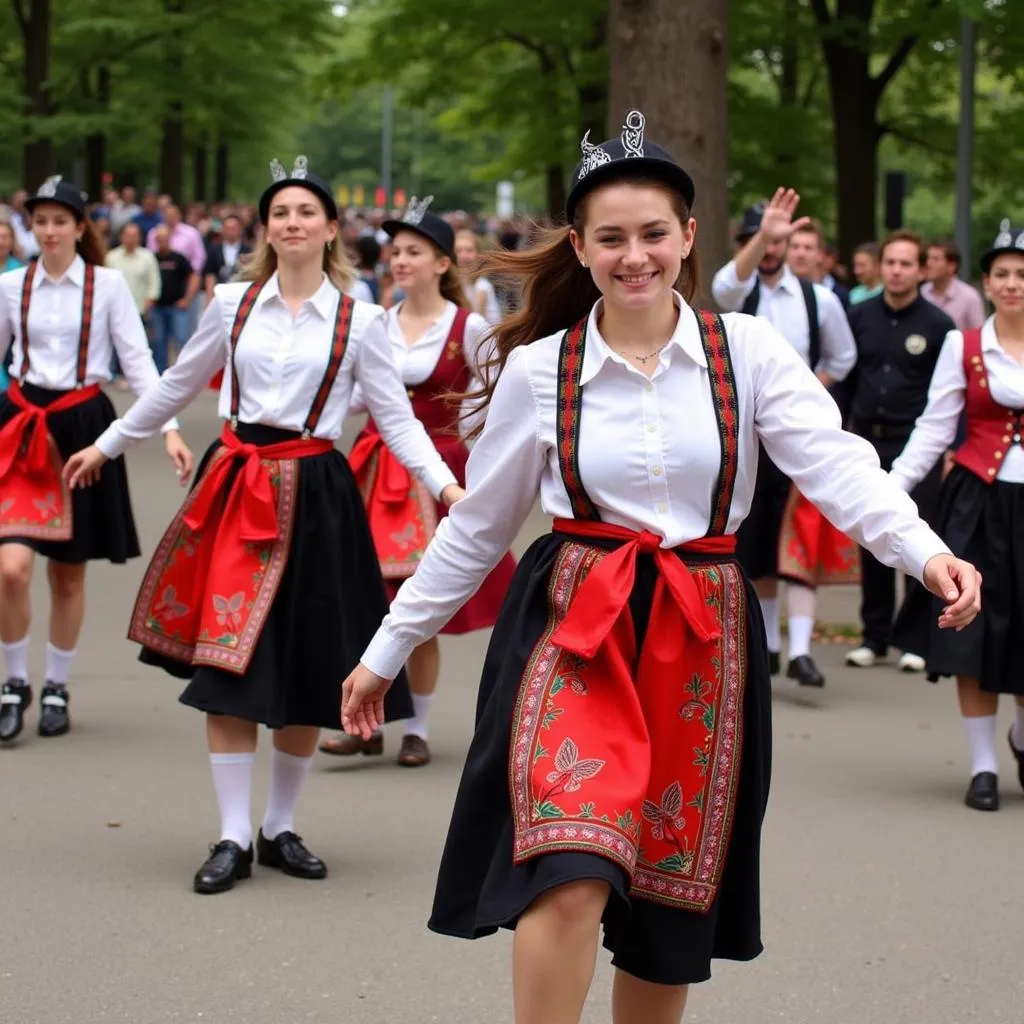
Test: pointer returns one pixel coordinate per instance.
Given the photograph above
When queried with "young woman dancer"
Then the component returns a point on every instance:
(480, 293)
(981, 512)
(266, 584)
(68, 314)
(438, 346)
(629, 641)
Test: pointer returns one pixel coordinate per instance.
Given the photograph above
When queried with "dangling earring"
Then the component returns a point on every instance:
(330, 245)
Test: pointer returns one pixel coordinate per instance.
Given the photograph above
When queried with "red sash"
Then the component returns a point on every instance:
(35, 501)
(635, 754)
(811, 550)
(213, 578)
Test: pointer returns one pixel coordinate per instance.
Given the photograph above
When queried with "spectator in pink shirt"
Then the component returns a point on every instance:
(956, 298)
(184, 239)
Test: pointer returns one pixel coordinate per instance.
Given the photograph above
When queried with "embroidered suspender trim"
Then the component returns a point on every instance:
(723, 390)
(88, 293)
(342, 330)
(570, 402)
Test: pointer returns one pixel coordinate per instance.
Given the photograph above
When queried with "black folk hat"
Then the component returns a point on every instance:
(56, 190)
(302, 177)
(750, 222)
(428, 225)
(628, 156)
(1009, 239)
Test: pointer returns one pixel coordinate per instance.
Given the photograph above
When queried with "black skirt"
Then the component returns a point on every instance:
(104, 527)
(480, 889)
(328, 606)
(757, 539)
(983, 523)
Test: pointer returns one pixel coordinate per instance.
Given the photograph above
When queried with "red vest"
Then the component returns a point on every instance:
(991, 427)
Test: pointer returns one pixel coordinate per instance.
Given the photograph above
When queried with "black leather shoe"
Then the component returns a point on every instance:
(227, 864)
(774, 663)
(15, 697)
(1019, 754)
(53, 714)
(287, 852)
(805, 672)
(983, 792)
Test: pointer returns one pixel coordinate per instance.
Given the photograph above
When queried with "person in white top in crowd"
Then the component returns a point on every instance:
(480, 293)
(140, 268)
(266, 584)
(811, 318)
(979, 373)
(629, 636)
(439, 347)
(68, 314)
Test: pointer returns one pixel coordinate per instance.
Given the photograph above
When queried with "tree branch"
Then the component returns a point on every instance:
(821, 13)
(897, 132)
(540, 50)
(812, 84)
(22, 18)
(881, 81)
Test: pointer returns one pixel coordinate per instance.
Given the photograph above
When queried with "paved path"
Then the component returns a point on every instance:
(886, 901)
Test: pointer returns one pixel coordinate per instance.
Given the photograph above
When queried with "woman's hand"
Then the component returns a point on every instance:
(451, 494)
(777, 223)
(958, 583)
(362, 702)
(180, 454)
(83, 468)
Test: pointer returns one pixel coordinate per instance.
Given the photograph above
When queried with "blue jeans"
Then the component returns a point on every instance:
(169, 323)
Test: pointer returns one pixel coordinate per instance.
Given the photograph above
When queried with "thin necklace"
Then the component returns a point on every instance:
(647, 357)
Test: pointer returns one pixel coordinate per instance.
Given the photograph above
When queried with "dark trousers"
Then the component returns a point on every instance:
(878, 581)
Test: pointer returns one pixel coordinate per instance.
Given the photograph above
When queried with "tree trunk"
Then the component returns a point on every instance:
(199, 172)
(785, 144)
(220, 186)
(555, 175)
(96, 143)
(172, 152)
(593, 91)
(37, 151)
(668, 60)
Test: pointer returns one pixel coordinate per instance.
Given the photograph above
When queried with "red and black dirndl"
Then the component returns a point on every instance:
(981, 518)
(265, 589)
(623, 729)
(40, 429)
(403, 515)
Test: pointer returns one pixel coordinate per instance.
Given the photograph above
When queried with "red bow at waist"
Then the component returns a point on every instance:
(250, 506)
(678, 606)
(393, 481)
(24, 438)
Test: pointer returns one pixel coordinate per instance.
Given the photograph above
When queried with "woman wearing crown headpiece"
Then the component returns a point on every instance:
(440, 348)
(980, 373)
(619, 770)
(266, 585)
(66, 315)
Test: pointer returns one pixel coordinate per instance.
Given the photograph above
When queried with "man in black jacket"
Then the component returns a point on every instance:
(898, 335)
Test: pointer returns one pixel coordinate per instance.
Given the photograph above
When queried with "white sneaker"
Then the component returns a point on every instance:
(861, 657)
(912, 663)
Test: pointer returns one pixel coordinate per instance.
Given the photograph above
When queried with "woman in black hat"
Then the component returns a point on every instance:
(981, 512)
(619, 770)
(437, 344)
(68, 315)
(266, 585)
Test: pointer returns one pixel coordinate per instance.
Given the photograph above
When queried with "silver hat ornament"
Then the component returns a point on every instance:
(277, 171)
(299, 170)
(593, 156)
(416, 209)
(1005, 236)
(633, 134)
(48, 189)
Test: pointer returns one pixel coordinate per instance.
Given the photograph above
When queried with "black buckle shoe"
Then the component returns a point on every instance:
(774, 663)
(53, 714)
(805, 672)
(287, 852)
(983, 792)
(1019, 755)
(227, 864)
(15, 698)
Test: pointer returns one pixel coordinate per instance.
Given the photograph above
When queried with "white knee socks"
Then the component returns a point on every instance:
(770, 613)
(58, 664)
(417, 725)
(801, 603)
(232, 781)
(981, 735)
(16, 659)
(287, 776)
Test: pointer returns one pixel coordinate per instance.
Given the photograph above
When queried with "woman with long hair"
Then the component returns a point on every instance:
(266, 585)
(979, 377)
(480, 293)
(10, 255)
(619, 770)
(437, 344)
(68, 314)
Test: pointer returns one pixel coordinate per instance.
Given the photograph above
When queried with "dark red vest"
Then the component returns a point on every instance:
(991, 427)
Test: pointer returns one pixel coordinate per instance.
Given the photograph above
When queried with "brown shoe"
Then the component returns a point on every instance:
(344, 745)
(414, 753)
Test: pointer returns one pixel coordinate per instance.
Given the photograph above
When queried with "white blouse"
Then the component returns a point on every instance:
(936, 427)
(55, 323)
(280, 361)
(649, 459)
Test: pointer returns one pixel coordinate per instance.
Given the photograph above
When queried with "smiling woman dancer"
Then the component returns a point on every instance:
(68, 314)
(629, 638)
(981, 512)
(266, 585)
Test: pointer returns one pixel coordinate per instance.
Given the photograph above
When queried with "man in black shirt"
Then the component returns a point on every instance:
(223, 256)
(178, 286)
(898, 335)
